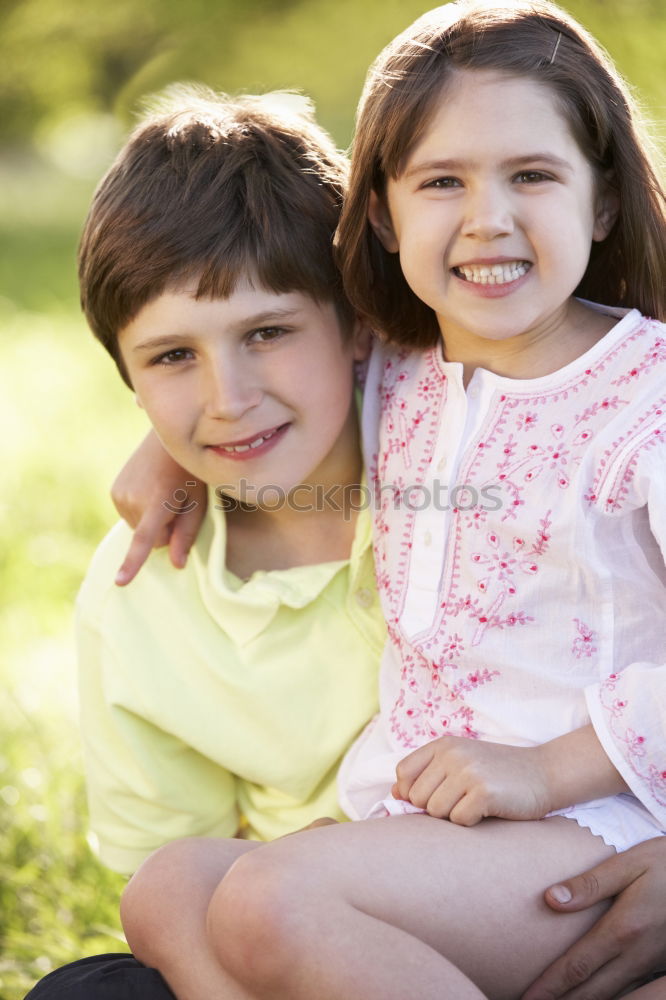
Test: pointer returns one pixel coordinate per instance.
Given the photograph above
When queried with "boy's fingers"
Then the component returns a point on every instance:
(569, 980)
(601, 882)
(587, 964)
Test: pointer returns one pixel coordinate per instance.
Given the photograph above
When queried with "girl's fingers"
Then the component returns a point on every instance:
(153, 532)
(183, 534)
(409, 769)
(433, 791)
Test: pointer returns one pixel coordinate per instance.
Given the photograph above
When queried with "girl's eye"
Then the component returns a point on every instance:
(265, 334)
(442, 183)
(532, 177)
(176, 356)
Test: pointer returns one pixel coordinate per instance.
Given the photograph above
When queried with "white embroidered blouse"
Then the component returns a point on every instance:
(520, 540)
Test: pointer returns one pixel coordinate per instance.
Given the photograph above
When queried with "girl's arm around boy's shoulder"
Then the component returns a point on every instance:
(162, 502)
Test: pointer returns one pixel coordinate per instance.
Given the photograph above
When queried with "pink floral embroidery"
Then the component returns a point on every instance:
(617, 467)
(465, 639)
(583, 644)
(633, 743)
(655, 354)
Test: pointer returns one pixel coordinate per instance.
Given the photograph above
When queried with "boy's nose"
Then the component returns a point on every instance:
(230, 391)
(488, 215)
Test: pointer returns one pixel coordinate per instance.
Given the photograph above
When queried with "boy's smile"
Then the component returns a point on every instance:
(494, 215)
(256, 388)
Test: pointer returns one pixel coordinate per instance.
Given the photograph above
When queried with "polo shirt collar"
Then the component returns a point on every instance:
(244, 609)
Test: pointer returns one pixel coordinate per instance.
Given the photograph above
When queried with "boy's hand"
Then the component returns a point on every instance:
(162, 502)
(627, 943)
(465, 780)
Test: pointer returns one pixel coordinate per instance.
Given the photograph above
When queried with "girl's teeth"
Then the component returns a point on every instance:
(493, 274)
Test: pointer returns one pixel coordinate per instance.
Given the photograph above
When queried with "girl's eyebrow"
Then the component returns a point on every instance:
(512, 161)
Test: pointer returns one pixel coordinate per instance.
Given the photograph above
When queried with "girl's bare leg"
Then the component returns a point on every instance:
(163, 911)
(653, 991)
(399, 907)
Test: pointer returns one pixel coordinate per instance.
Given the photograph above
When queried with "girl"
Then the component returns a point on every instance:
(498, 184)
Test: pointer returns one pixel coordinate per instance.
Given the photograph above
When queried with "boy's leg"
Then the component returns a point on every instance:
(116, 976)
(379, 910)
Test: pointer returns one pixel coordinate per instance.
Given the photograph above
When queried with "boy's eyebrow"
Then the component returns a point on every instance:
(511, 161)
(167, 340)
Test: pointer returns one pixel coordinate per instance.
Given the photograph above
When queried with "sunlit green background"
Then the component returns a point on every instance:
(71, 72)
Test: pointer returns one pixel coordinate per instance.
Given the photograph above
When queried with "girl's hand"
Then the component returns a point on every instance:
(465, 780)
(162, 502)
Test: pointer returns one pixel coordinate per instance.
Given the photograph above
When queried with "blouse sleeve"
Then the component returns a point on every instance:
(628, 708)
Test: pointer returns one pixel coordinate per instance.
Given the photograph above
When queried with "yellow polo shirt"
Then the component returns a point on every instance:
(209, 705)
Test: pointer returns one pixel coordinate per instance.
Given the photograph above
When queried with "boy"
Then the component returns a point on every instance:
(218, 701)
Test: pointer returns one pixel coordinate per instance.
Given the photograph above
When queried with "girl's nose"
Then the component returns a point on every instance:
(488, 215)
(230, 390)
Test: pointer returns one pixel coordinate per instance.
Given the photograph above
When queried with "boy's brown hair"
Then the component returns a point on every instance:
(213, 188)
(531, 38)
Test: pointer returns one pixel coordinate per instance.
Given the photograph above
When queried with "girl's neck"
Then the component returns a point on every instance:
(567, 336)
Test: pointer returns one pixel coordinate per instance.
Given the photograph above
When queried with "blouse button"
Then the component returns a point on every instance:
(364, 597)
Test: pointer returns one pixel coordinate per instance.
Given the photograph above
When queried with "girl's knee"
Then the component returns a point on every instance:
(151, 914)
(255, 922)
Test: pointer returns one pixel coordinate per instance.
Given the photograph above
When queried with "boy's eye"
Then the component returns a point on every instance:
(532, 177)
(442, 183)
(173, 357)
(265, 334)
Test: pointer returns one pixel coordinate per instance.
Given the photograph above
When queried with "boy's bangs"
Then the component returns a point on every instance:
(278, 262)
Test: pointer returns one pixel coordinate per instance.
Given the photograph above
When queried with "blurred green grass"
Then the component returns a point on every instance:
(68, 423)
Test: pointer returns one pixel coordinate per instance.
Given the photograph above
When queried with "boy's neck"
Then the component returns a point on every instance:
(316, 523)
(261, 540)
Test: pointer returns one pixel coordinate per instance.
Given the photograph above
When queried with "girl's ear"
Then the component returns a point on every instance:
(138, 401)
(607, 210)
(362, 335)
(380, 220)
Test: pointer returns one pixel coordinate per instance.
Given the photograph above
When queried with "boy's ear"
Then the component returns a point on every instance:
(380, 220)
(607, 210)
(138, 401)
(362, 335)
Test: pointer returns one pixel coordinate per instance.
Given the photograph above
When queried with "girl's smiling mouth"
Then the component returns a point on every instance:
(503, 273)
(492, 279)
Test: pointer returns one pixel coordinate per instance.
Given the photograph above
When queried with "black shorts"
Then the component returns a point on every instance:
(102, 977)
